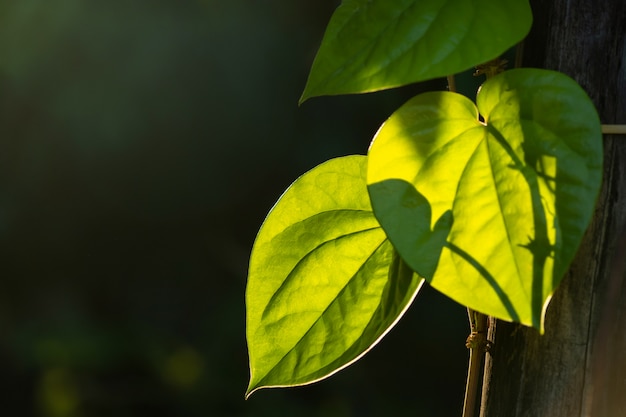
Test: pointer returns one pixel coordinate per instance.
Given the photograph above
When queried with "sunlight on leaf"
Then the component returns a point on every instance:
(372, 45)
(324, 282)
(521, 188)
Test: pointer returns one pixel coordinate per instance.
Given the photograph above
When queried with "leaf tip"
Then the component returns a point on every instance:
(541, 326)
(304, 97)
(307, 94)
(248, 394)
(252, 388)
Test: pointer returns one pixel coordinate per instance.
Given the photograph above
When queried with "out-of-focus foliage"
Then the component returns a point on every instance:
(141, 144)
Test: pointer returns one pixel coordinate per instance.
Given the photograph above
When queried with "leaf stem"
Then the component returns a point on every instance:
(451, 83)
(614, 129)
(519, 54)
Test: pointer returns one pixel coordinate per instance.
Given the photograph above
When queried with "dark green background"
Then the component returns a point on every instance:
(141, 145)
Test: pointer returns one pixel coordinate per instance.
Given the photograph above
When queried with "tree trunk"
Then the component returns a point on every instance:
(578, 368)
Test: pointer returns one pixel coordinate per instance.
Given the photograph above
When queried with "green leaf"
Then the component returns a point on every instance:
(372, 45)
(324, 282)
(521, 188)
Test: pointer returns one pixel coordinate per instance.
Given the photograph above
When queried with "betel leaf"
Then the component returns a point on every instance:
(324, 283)
(520, 186)
(371, 45)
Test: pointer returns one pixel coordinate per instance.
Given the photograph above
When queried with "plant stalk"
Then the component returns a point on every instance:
(478, 345)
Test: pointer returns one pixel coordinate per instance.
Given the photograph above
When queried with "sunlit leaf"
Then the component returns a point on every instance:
(372, 45)
(521, 188)
(324, 282)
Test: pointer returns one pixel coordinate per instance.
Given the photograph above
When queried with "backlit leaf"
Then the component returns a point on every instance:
(520, 188)
(324, 282)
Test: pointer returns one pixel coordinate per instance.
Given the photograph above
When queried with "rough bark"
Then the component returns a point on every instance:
(578, 368)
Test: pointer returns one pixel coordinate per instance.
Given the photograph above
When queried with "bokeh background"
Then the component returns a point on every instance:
(141, 145)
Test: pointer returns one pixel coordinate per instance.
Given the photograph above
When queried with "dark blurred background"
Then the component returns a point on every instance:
(141, 145)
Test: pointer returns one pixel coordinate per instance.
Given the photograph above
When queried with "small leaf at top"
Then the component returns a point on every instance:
(324, 283)
(521, 187)
(372, 45)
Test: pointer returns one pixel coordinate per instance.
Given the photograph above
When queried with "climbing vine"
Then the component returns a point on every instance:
(487, 201)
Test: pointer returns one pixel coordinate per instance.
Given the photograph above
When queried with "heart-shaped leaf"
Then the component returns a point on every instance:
(371, 45)
(521, 188)
(324, 282)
